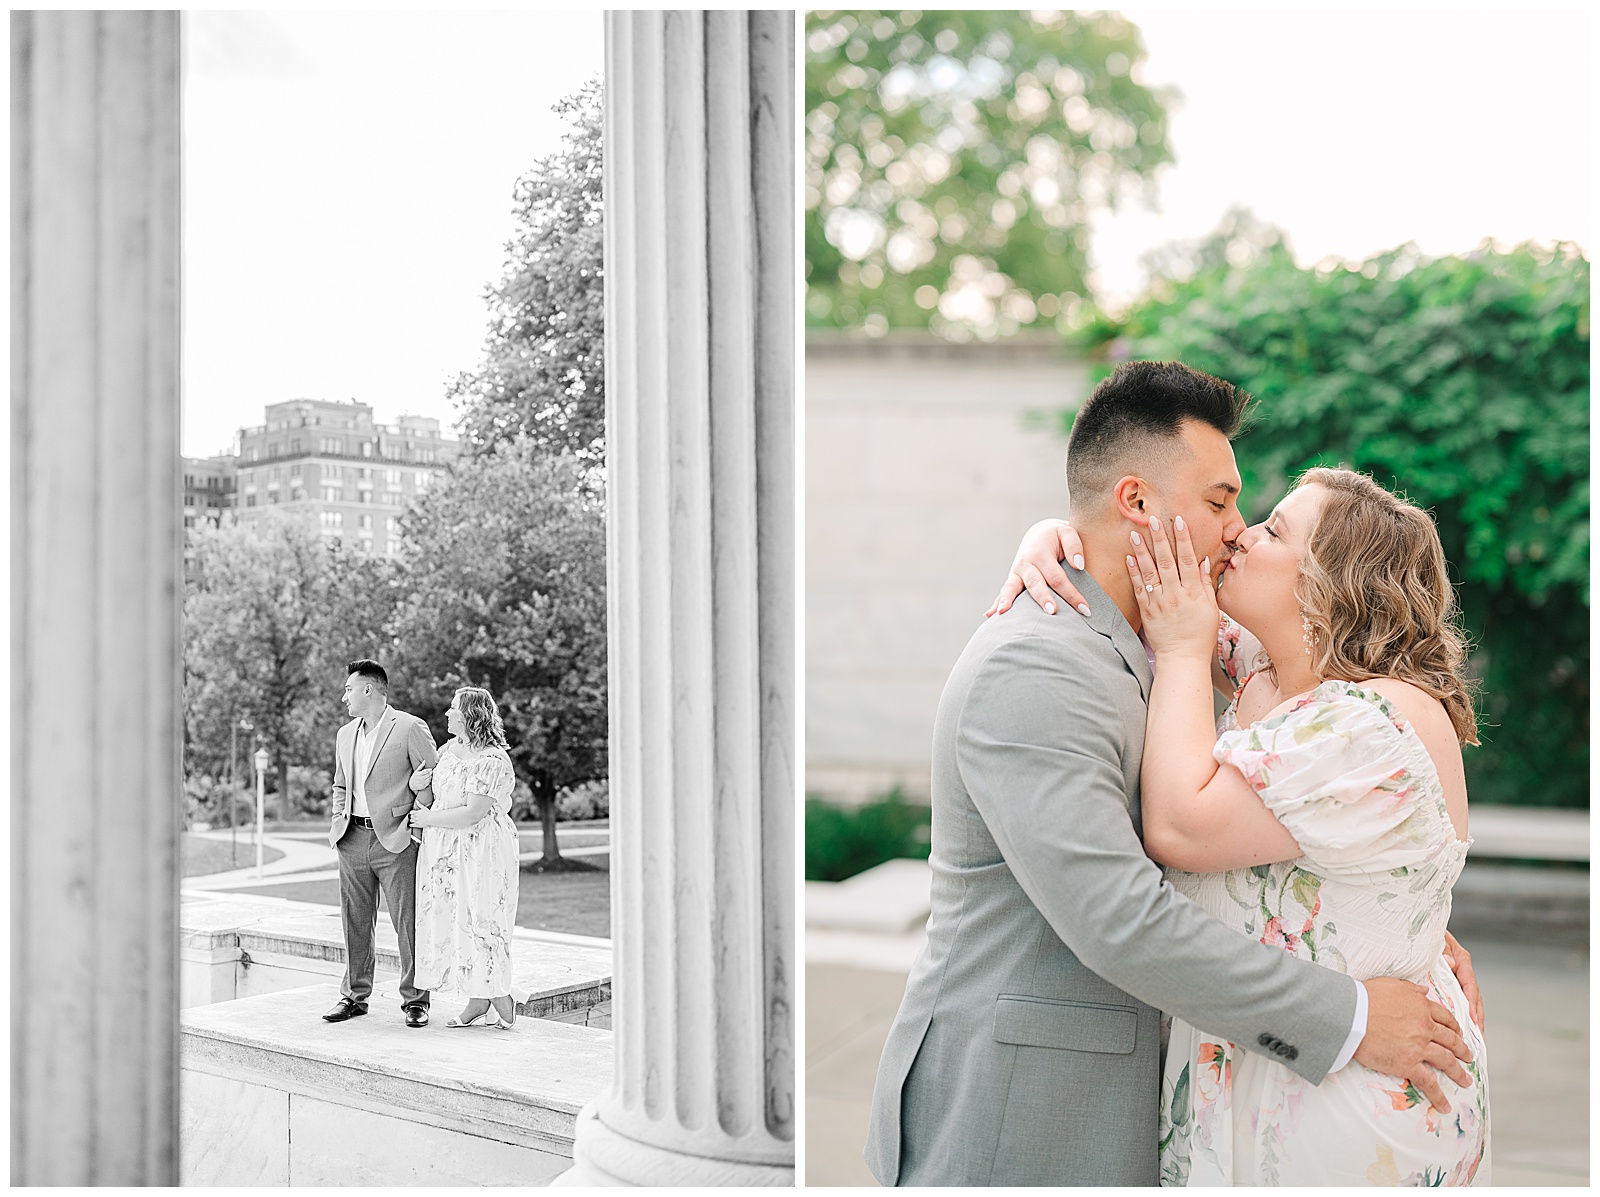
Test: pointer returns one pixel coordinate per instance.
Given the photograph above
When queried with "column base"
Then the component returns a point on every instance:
(604, 1157)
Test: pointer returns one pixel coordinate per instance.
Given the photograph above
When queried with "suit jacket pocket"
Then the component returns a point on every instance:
(1054, 1022)
(403, 808)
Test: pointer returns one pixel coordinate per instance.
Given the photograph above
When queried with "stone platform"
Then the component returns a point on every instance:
(272, 1095)
(239, 946)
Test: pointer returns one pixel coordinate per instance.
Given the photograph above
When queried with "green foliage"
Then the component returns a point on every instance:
(505, 569)
(953, 161)
(1461, 382)
(543, 372)
(842, 841)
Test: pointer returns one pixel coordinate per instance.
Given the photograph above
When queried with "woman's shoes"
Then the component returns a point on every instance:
(477, 1020)
(502, 1022)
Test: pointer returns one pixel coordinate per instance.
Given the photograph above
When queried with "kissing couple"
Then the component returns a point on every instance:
(1278, 884)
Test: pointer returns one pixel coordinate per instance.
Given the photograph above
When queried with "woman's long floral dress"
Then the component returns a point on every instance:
(1345, 772)
(467, 882)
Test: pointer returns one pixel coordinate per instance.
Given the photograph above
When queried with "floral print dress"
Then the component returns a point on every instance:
(1345, 772)
(467, 882)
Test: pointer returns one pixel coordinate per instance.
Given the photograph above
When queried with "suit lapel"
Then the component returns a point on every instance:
(354, 728)
(380, 735)
(1106, 619)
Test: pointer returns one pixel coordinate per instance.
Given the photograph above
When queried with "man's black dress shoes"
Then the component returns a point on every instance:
(416, 1016)
(347, 1008)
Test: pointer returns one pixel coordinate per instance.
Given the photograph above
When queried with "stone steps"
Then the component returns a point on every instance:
(237, 946)
(273, 1095)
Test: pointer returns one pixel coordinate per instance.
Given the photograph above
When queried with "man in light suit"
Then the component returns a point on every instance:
(1027, 1048)
(374, 757)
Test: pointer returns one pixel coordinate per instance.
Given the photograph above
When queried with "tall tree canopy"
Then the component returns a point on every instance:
(543, 373)
(953, 161)
(506, 564)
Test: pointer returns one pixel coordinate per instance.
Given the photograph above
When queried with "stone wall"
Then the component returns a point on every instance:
(925, 462)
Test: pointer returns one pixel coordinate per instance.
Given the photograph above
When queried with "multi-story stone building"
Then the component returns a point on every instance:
(331, 459)
(208, 484)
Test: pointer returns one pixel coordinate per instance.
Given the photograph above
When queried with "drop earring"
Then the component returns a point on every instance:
(1307, 632)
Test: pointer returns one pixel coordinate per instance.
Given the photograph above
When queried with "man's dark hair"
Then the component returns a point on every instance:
(371, 669)
(1140, 400)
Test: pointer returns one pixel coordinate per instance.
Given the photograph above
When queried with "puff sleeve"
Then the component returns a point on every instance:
(1239, 652)
(1345, 776)
(492, 774)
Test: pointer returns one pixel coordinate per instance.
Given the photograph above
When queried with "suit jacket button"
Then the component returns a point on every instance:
(1266, 1040)
(1292, 1053)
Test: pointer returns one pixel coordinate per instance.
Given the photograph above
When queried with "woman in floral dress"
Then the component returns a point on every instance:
(467, 865)
(1327, 817)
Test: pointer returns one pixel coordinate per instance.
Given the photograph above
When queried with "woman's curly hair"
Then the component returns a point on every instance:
(1377, 595)
(482, 717)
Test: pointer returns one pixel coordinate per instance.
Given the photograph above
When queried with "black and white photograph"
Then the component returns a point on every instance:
(403, 507)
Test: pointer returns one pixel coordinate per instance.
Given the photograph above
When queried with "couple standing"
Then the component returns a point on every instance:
(1325, 1027)
(452, 896)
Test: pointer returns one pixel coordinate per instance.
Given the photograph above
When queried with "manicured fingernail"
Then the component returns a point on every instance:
(1132, 564)
(1077, 562)
(1084, 609)
(1154, 523)
(1049, 608)
(1205, 566)
(1136, 539)
(1177, 522)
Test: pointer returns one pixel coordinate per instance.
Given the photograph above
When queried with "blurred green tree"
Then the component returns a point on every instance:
(543, 369)
(1462, 382)
(953, 161)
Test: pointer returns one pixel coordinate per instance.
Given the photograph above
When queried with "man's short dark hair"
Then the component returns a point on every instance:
(371, 669)
(1139, 401)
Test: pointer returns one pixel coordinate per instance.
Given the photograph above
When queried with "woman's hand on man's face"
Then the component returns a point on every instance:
(1176, 598)
(1037, 569)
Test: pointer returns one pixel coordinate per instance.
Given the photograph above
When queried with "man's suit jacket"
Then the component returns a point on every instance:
(1026, 1050)
(403, 744)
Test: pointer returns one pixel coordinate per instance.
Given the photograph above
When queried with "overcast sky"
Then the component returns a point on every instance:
(1358, 132)
(348, 176)
(347, 198)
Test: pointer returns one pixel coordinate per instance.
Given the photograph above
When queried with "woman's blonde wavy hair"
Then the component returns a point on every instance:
(1377, 596)
(482, 717)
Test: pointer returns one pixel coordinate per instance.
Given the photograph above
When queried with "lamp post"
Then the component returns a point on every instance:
(238, 726)
(261, 760)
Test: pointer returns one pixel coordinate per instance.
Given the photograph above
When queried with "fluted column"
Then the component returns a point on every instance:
(699, 160)
(95, 559)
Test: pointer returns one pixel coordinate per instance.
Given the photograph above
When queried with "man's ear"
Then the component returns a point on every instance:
(1133, 497)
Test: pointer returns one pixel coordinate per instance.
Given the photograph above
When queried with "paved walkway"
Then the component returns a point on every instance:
(307, 858)
(1536, 994)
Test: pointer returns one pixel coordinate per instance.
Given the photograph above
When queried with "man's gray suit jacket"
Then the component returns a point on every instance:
(1026, 1050)
(403, 745)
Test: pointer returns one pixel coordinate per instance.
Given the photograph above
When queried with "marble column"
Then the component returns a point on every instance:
(95, 585)
(699, 160)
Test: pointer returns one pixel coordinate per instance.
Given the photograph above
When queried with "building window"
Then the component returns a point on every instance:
(272, 474)
(249, 500)
(294, 471)
(332, 520)
(272, 449)
(332, 494)
(366, 448)
(250, 454)
(188, 521)
(364, 521)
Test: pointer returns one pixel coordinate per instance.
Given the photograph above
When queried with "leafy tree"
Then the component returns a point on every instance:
(543, 375)
(505, 565)
(1462, 382)
(953, 161)
(259, 607)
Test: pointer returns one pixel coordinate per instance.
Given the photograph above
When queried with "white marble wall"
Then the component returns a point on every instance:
(925, 463)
